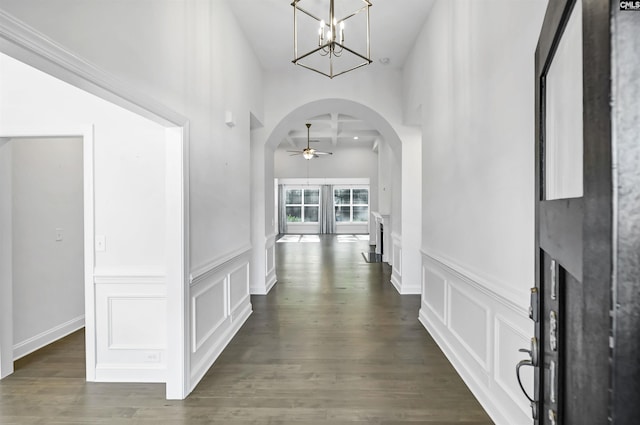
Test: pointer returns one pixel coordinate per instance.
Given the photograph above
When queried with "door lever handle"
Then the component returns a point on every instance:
(532, 401)
(518, 366)
(533, 362)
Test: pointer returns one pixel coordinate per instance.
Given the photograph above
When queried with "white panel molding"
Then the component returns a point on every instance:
(138, 275)
(396, 267)
(479, 387)
(481, 358)
(501, 292)
(206, 348)
(200, 368)
(246, 295)
(161, 346)
(243, 301)
(487, 378)
(45, 338)
(270, 267)
(220, 264)
(270, 247)
(501, 365)
(427, 301)
(200, 291)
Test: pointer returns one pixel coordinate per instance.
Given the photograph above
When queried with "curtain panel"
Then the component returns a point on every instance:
(327, 223)
(282, 211)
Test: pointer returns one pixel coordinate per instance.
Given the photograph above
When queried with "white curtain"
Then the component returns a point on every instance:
(282, 211)
(327, 223)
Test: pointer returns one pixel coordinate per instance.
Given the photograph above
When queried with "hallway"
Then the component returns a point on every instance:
(332, 343)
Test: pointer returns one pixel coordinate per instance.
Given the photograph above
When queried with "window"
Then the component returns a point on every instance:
(351, 205)
(302, 205)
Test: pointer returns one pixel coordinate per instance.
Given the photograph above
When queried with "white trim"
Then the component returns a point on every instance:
(485, 286)
(47, 337)
(485, 377)
(476, 387)
(500, 320)
(87, 134)
(215, 265)
(484, 362)
(152, 276)
(137, 372)
(214, 352)
(314, 181)
(199, 291)
(28, 45)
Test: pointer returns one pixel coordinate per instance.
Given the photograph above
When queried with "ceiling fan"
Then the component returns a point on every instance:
(309, 152)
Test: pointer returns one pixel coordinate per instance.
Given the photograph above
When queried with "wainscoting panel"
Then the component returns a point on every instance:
(130, 326)
(270, 272)
(208, 310)
(396, 265)
(468, 321)
(220, 304)
(480, 331)
(239, 287)
(434, 291)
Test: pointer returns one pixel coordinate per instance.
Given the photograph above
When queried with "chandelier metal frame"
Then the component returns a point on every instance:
(331, 47)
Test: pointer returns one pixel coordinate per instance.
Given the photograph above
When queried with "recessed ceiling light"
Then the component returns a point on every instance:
(355, 137)
(385, 61)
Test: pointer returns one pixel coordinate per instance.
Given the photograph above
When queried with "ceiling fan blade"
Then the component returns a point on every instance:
(295, 154)
(323, 153)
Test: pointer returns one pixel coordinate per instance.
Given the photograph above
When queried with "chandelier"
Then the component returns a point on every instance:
(328, 51)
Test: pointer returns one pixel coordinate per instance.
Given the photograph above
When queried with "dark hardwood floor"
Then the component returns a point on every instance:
(333, 343)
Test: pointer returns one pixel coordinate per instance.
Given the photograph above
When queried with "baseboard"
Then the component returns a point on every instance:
(487, 402)
(135, 373)
(47, 337)
(269, 284)
(396, 283)
(404, 289)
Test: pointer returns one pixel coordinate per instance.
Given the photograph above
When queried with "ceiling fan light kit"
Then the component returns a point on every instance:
(308, 152)
(322, 41)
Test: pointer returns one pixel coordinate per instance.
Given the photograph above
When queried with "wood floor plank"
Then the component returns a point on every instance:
(333, 343)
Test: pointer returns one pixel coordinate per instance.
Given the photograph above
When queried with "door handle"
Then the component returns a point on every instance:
(533, 362)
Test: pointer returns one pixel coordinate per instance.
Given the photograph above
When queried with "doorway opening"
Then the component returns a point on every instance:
(44, 197)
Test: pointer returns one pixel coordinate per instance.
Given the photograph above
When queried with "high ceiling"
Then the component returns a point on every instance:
(268, 25)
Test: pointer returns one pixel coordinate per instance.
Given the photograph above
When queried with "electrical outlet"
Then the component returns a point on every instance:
(59, 234)
(152, 357)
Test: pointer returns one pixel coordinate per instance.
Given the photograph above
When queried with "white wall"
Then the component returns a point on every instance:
(47, 241)
(472, 73)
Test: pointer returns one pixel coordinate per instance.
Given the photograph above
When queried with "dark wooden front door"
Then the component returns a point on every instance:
(587, 295)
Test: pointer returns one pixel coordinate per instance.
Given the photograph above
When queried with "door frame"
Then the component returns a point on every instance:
(610, 290)
(6, 293)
